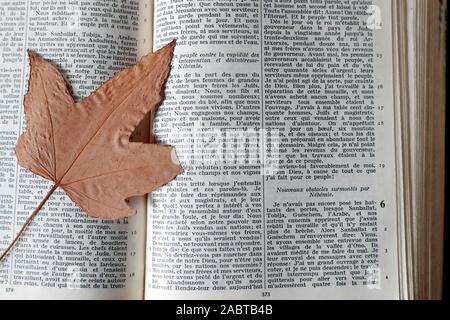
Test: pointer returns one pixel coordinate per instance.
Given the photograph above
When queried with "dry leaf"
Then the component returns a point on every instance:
(84, 146)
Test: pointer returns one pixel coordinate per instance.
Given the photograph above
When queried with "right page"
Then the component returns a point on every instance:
(282, 113)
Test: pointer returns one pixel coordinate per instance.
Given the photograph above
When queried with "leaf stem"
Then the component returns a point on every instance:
(28, 221)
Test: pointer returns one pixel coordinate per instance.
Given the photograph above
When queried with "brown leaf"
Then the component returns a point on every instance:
(84, 146)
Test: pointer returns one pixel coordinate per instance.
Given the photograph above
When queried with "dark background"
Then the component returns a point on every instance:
(446, 292)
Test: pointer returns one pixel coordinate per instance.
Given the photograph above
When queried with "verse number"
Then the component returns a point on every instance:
(383, 204)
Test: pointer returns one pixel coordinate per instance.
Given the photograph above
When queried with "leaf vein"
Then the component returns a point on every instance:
(100, 126)
(51, 128)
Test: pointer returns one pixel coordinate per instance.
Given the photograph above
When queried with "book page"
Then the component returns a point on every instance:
(282, 116)
(64, 254)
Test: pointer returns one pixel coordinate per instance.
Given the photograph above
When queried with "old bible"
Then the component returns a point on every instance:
(311, 133)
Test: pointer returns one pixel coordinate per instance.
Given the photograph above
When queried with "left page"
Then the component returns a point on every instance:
(64, 254)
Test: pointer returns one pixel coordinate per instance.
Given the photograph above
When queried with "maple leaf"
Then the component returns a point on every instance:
(84, 147)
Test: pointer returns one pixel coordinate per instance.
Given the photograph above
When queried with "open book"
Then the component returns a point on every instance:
(311, 136)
